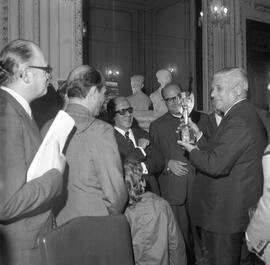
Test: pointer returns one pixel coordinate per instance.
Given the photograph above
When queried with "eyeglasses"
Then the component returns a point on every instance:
(172, 100)
(47, 69)
(125, 111)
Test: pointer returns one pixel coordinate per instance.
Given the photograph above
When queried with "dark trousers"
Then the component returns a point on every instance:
(223, 249)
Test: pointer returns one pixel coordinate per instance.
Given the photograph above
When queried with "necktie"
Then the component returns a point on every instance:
(127, 137)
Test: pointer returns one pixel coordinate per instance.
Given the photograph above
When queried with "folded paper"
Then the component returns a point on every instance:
(51, 146)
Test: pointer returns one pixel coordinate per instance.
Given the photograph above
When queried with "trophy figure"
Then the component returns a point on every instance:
(185, 132)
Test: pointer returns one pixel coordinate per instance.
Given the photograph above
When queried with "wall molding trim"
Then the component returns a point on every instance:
(262, 8)
(5, 22)
(254, 10)
(36, 22)
(78, 33)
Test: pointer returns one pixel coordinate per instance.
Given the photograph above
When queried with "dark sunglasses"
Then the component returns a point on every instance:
(125, 111)
(174, 99)
(47, 69)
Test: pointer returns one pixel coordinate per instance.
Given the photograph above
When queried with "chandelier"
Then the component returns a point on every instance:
(219, 14)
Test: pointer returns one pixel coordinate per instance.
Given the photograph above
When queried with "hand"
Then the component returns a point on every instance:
(143, 142)
(59, 161)
(177, 167)
(189, 147)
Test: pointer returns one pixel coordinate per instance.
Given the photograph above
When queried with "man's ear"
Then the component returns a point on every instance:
(239, 89)
(92, 92)
(26, 76)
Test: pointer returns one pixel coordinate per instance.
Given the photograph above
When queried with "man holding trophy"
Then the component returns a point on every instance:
(229, 171)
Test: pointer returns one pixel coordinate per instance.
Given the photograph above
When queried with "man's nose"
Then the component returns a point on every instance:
(212, 93)
(127, 114)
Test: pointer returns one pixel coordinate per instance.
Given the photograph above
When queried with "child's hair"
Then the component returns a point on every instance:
(134, 180)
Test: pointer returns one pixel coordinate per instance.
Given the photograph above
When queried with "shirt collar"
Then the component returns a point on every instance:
(121, 130)
(19, 98)
(177, 115)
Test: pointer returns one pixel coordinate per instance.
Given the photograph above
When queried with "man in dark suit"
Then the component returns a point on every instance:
(24, 211)
(229, 179)
(176, 179)
(134, 142)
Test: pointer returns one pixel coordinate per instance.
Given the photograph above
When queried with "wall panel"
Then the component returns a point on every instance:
(111, 44)
(173, 41)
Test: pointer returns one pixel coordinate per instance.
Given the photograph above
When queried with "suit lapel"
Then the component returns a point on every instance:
(213, 121)
(136, 135)
(119, 137)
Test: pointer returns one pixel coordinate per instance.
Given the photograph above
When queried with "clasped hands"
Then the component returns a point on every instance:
(177, 167)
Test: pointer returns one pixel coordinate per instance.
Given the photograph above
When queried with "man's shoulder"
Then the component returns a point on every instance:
(103, 125)
(139, 132)
(8, 104)
(162, 119)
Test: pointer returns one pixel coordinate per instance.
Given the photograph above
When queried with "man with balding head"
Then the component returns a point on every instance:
(138, 100)
(229, 179)
(95, 185)
(24, 206)
(164, 77)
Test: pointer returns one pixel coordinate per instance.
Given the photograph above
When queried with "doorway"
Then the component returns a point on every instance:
(258, 61)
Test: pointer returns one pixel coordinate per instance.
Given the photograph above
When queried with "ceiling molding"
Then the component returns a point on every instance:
(158, 4)
(130, 4)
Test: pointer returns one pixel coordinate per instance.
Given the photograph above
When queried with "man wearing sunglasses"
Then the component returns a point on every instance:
(134, 142)
(24, 206)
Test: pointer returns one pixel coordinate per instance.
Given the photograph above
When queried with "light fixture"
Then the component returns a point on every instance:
(200, 19)
(172, 69)
(112, 73)
(219, 14)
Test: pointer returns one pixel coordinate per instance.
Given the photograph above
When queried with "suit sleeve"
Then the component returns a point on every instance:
(20, 197)
(154, 160)
(258, 229)
(110, 172)
(154, 139)
(220, 159)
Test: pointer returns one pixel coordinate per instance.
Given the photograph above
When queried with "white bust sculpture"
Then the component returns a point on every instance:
(164, 77)
(138, 100)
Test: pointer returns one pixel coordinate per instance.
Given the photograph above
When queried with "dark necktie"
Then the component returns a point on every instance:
(127, 137)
